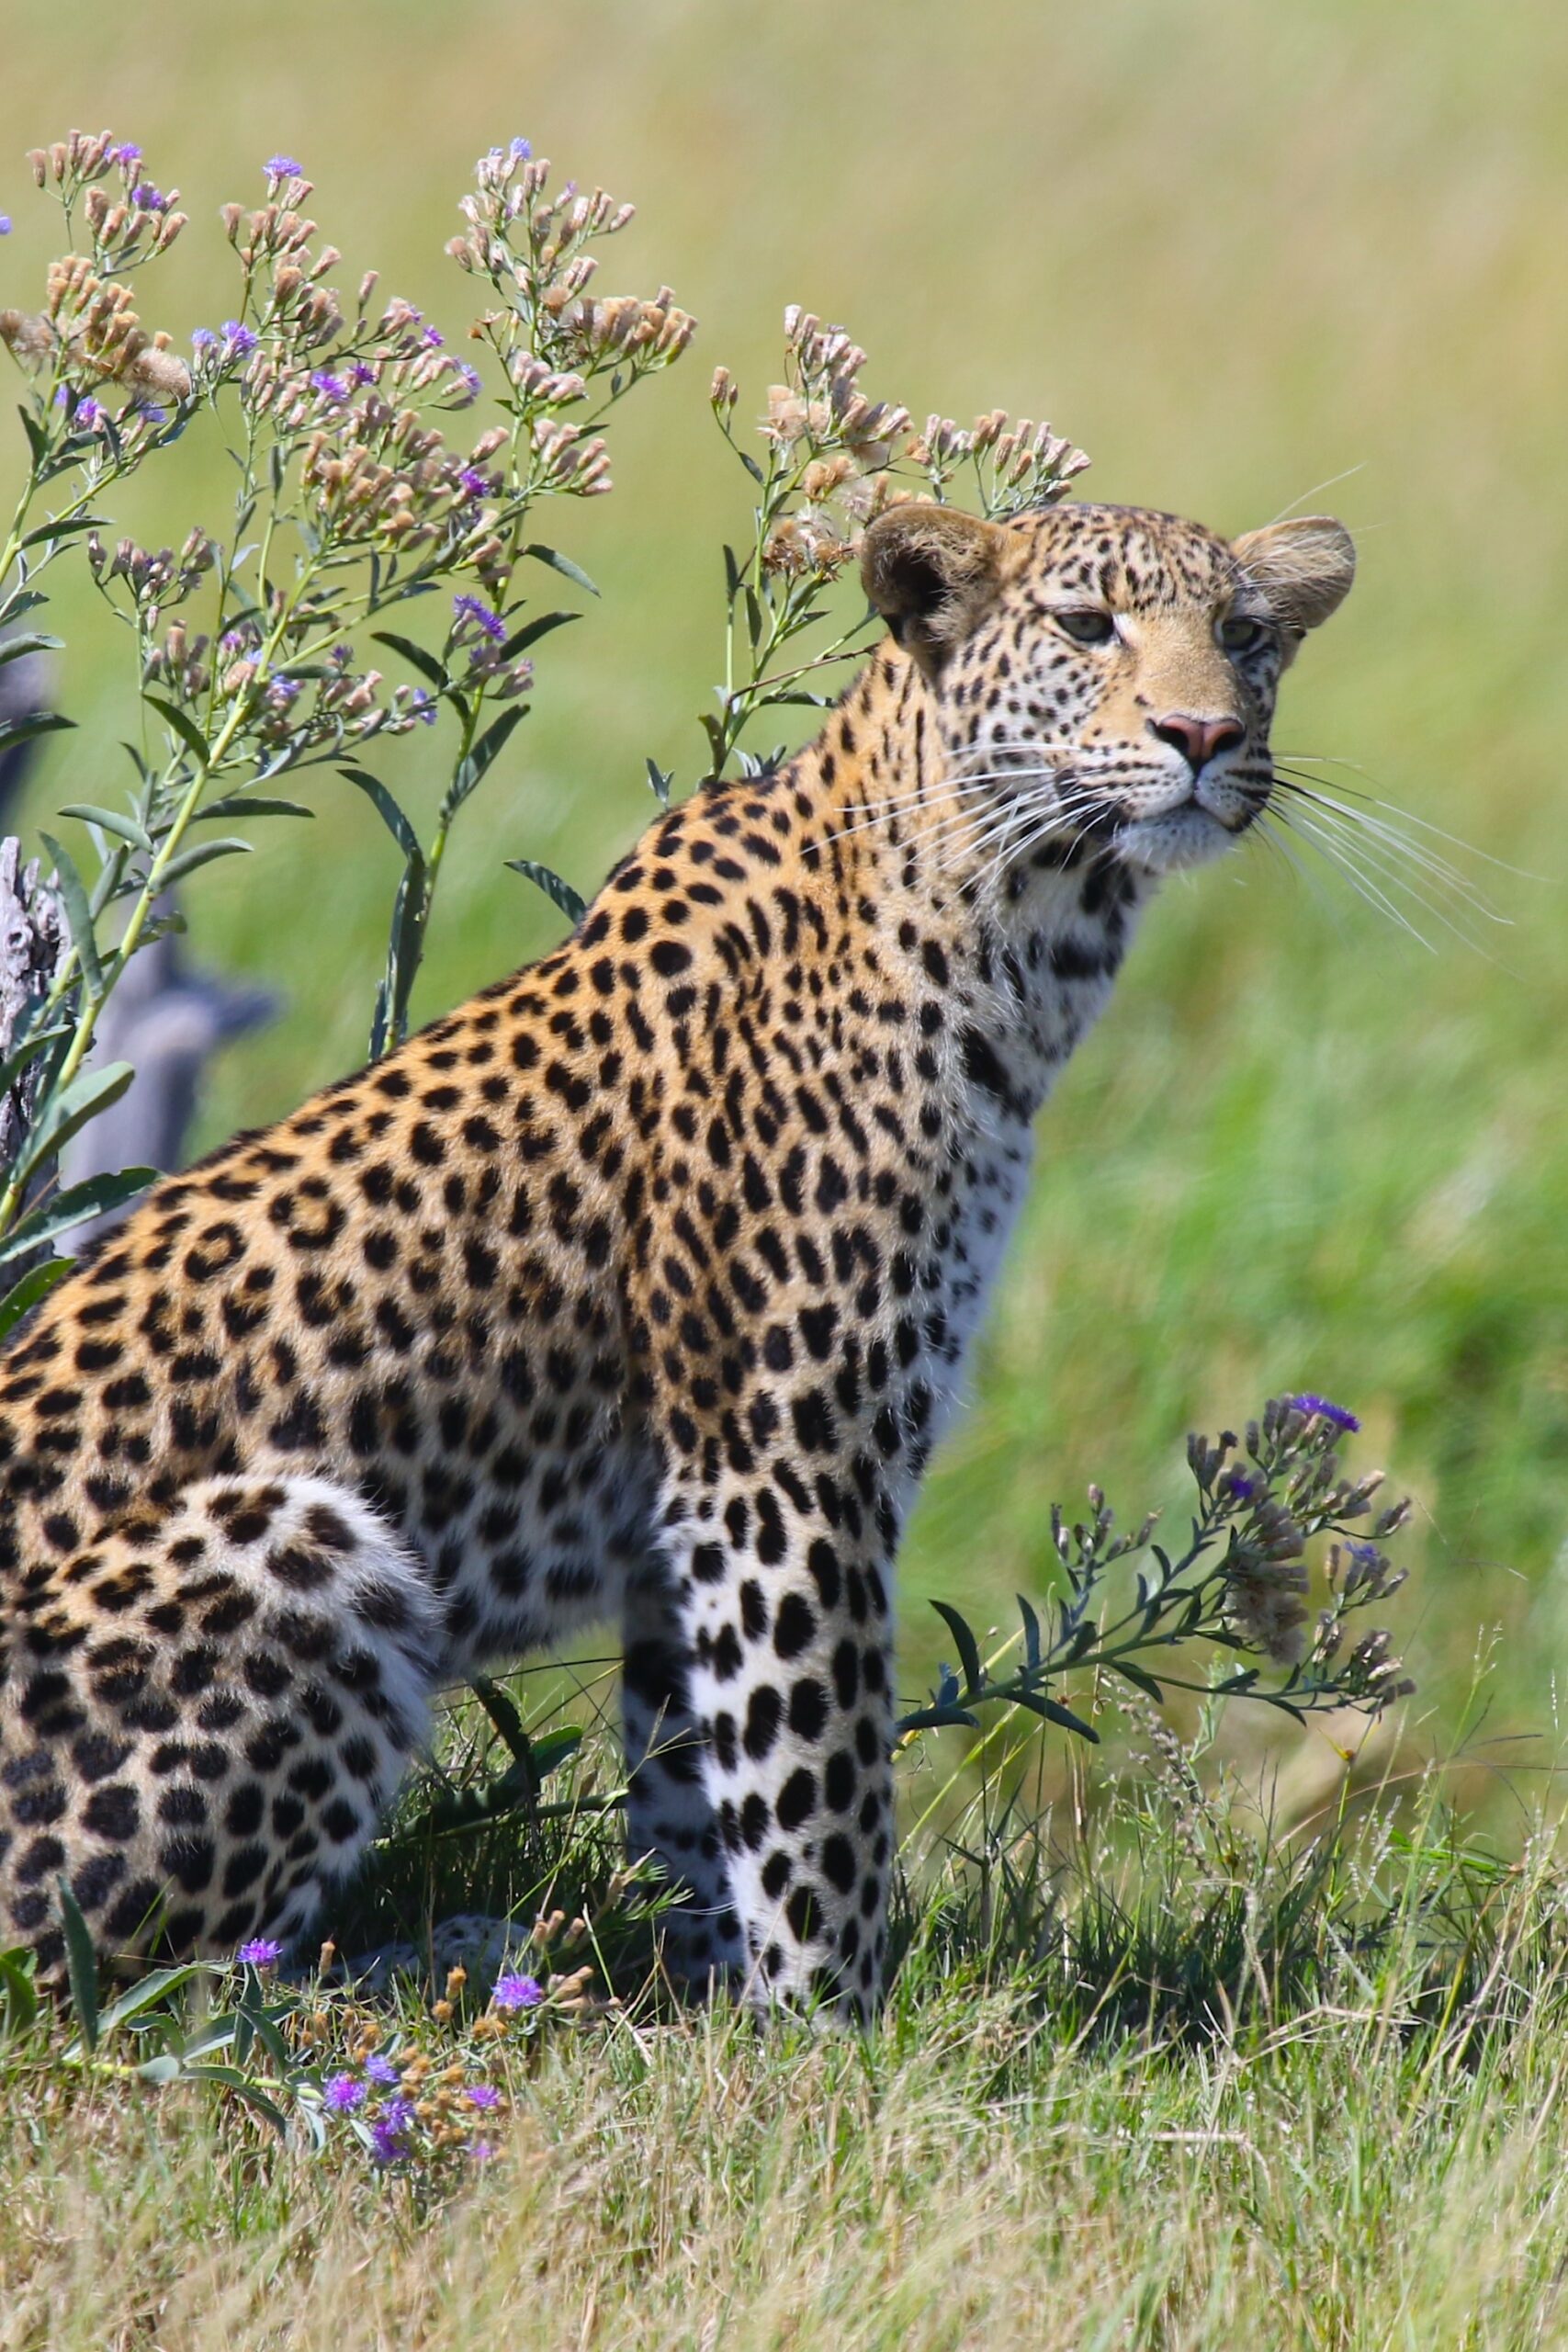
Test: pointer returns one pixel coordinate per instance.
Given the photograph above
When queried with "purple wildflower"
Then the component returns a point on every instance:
(433, 338)
(1239, 1487)
(379, 2069)
(125, 154)
(4, 224)
(203, 338)
(422, 706)
(151, 411)
(470, 379)
(480, 2152)
(519, 150)
(1319, 1409)
(343, 2094)
(260, 1952)
(362, 372)
(386, 2146)
(149, 198)
(474, 483)
(86, 410)
(331, 387)
(474, 608)
(484, 2095)
(242, 340)
(283, 168)
(283, 691)
(513, 1992)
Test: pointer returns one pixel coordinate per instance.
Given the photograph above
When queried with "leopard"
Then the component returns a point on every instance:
(639, 1288)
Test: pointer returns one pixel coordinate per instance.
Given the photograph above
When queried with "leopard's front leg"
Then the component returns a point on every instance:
(781, 1593)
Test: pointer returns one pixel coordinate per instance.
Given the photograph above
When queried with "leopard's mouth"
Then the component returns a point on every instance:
(1172, 840)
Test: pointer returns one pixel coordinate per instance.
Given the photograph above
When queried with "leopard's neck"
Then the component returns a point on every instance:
(878, 824)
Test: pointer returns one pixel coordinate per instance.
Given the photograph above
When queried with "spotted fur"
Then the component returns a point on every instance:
(641, 1286)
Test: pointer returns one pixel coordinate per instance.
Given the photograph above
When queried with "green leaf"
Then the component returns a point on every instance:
(111, 821)
(39, 722)
(66, 530)
(73, 1207)
(231, 2078)
(416, 656)
(387, 808)
(1136, 1676)
(969, 1649)
(471, 772)
(1031, 1631)
(29, 1050)
(23, 1296)
(161, 2071)
(27, 641)
(184, 725)
(405, 948)
(249, 804)
(561, 564)
(661, 779)
(80, 1964)
(89, 1092)
(1063, 1717)
(937, 1719)
(531, 632)
(141, 1996)
(554, 1748)
(73, 897)
(551, 884)
(38, 440)
(19, 1994)
(202, 853)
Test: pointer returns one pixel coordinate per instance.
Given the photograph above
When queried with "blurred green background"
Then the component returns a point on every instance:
(1234, 251)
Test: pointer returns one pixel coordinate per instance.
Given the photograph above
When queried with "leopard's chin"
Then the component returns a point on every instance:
(1175, 841)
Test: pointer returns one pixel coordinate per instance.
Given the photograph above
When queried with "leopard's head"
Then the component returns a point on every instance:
(1105, 673)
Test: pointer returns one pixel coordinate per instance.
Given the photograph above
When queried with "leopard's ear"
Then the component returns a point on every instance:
(931, 571)
(1305, 567)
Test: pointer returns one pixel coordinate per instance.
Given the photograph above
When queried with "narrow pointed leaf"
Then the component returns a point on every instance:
(387, 808)
(88, 1093)
(661, 779)
(552, 885)
(81, 1965)
(112, 821)
(27, 641)
(491, 744)
(95, 1197)
(78, 913)
(203, 853)
(1139, 1679)
(532, 631)
(563, 565)
(184, 725)
(67, 527)
(23, 1296)
(416, 656)
(968, 1650)
(1053, 1712)
(38, 722)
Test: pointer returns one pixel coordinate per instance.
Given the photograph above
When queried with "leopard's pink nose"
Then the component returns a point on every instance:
(1198, 740)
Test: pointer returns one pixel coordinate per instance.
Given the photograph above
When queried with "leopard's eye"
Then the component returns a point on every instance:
(1239, 634)
(1086, 626)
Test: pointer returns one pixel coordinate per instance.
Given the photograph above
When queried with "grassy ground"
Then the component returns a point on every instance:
(1235, 252)
(1184, 2089)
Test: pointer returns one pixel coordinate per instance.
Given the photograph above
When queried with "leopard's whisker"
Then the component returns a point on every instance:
(1371, 832)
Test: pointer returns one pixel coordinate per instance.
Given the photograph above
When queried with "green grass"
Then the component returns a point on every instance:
(1174, 2082)
(1235, 252)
